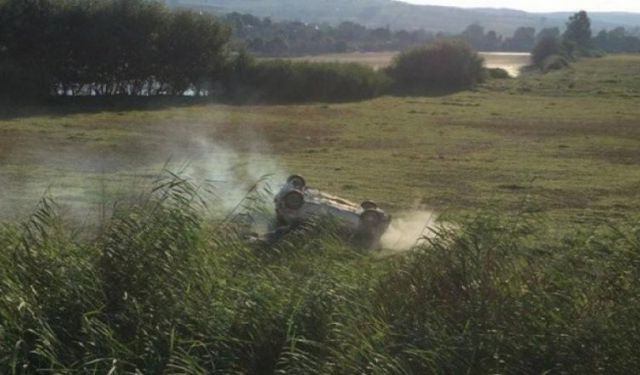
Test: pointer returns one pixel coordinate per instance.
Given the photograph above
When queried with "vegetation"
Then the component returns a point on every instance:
(534, 270)
(498, 73)
(548, 284)
(161, 290)
(290, 81)
(107, 47)
(567, 139)
(578, 31)
(553, 52)
(147, 50)
(616, 41)
(266, 37)
(443, 65)
(546, 48)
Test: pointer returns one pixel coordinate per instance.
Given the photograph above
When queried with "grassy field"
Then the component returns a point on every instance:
(567, 140)
(526, 281)
(512, 62)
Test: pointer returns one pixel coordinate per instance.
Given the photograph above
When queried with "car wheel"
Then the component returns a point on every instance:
(297, 181)
(368, 205)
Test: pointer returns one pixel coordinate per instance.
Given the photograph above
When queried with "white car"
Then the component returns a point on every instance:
(297, 203)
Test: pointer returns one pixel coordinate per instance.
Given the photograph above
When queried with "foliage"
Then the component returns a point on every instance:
(546, 47)
(554, 62)
(266, 37)
(443, 65)
(553, 52)
(108, 47)
(616, 41)
(579, 30)
(498, 73)
(161, 290)
(523, 40)
(283, 80)
(495, 297)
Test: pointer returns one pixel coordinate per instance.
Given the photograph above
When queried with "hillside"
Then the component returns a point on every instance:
(399, 15)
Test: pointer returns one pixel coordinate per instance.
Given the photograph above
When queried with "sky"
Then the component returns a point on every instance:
(541, 5)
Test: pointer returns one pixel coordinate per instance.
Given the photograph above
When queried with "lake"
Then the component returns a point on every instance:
(510, 61)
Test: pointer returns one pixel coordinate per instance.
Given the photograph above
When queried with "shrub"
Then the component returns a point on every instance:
(546, 47)
(282, 80)
(498, 73)
(554, 62)
(443, 65)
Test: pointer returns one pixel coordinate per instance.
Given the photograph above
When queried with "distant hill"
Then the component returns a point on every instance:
(399, 15)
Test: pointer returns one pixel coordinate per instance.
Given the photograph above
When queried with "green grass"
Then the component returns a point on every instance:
(567, 139)
(539, 273)
(162, 290)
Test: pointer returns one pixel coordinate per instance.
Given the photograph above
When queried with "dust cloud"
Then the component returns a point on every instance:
(233, 174)
(408, 229)
(86, 179)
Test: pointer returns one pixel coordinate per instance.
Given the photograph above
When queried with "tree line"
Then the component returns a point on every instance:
(107, 47)
(52, 48)
(142, 48)
(264, 36)
(555, 51)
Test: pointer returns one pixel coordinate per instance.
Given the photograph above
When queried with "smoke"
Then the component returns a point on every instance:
(233, 174)
(408, 229)
(87, 176)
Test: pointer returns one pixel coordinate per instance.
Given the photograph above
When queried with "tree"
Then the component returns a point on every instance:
(616, 41)
(443, 65)
(524, 39)
(546, 47)
(493, 41)
(106, 47)
(474, 35)
(579, 30)
(550, 32)
(193, 48)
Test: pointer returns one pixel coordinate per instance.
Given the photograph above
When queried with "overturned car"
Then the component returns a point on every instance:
(296, 203)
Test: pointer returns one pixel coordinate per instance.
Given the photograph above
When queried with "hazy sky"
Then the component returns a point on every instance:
(541, 5)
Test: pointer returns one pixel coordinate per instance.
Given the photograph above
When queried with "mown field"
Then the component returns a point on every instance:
(539, 274)
(567, 140)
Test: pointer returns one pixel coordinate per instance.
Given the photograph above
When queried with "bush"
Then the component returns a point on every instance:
(282, 80)
(546, 47)
(554, 62)
(443, 65)
(498, 73)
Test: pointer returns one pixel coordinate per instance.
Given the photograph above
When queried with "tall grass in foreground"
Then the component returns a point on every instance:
(162, 290)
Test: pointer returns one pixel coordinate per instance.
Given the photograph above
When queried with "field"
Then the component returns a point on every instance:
(538, 273)
(568, 141)
(512, 62)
